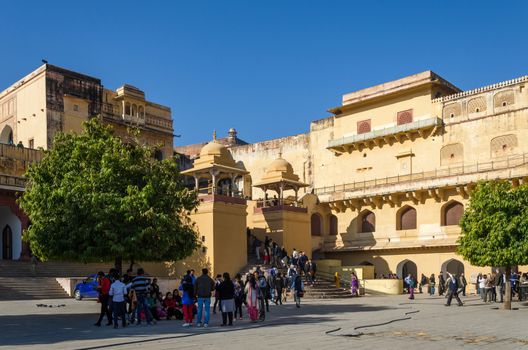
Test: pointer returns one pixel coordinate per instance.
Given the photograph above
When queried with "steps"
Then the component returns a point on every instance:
(20, 280)
(30, 288)
(14, 268)
(322, 289)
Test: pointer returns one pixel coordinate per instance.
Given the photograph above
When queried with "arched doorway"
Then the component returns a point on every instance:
(7, 243)
(11, 242)
(405, 268)
(316, 224)
(7, 135)
(453, 266)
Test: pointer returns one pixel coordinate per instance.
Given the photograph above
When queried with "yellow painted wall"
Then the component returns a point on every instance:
(30, 99)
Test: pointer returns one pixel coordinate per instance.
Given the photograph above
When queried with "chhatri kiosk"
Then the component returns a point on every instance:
(283, 218)
(221, 214)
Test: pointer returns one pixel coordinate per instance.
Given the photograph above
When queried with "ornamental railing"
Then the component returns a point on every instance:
(499, 164)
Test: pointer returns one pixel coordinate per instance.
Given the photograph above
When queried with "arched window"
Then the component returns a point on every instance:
(332, 220)
(406, 218)
(316, 224)
(7, 135)
(141, 112)
(367, 221)
(127, 108)
(158, 154)
(452, 213)
(134, 110)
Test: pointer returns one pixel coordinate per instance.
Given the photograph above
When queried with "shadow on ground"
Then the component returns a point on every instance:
(54, 328)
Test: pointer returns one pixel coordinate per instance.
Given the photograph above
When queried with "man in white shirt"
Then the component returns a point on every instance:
(117, 292)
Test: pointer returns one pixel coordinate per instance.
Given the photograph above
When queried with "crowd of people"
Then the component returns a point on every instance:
(270, 253)
(133, 299)
(490, 287)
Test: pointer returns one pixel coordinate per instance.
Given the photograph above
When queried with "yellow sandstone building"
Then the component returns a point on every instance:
(384, 181)
(381, 183)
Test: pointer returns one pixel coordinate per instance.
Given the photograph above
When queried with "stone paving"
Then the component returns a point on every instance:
(371, 322)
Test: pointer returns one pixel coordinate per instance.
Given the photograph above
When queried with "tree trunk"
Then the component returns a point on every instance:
(507, 291)
(119, 264)
(131, 263)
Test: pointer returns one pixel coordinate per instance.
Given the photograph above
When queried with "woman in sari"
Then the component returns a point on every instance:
(354, 284)
(252, 298)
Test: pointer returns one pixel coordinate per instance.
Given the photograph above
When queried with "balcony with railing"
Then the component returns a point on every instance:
(510, 167)
(158, 122)
(386, 135)
(277, 204)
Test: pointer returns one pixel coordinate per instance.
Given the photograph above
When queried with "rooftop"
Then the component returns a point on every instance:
(393, 87)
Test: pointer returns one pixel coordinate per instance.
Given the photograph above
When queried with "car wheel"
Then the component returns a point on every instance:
(77, 294)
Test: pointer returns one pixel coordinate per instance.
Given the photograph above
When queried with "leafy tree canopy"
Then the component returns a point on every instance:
(95, 198)
(495, 225)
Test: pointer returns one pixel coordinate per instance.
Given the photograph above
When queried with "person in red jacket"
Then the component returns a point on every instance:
(104, 288)
(170, 304)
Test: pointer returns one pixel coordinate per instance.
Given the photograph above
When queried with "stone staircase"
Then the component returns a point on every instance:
(30, 288)
(18, 268)
(322, 289)
(20, 280)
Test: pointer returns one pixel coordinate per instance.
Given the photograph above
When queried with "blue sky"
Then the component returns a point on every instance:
(269, 67)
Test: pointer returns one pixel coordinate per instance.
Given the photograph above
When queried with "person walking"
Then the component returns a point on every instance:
(218, 280)
(103, 286)
(264, 293)
(117, 292)
(482, 287)
(279, 286)
(477, 284)
(411, 284)
(499, 286)
(187, 299)
(441, 284)
(298, 290)
(239, 296)
(354, 284)
(226, 291)
(423, 282)
(463, 284)
(252, 301)
(140, 285)
(453, 290)
(432, 284)
(204, 286)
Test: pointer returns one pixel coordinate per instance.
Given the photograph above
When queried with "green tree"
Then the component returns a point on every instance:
(495, 228)
(95, 198)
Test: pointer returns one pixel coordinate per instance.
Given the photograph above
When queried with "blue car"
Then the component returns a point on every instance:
(87, 288)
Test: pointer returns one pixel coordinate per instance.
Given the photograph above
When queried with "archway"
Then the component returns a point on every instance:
(453, 266)
(6, 136)
(316, 224)
(405, 268)
(11, 242)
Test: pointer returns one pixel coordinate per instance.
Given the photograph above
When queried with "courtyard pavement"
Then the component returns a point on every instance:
(370, 322)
